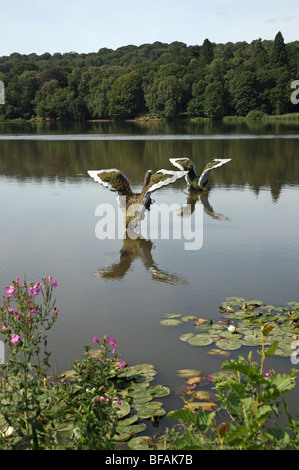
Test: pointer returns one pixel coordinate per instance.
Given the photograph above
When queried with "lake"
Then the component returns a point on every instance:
(249, 225)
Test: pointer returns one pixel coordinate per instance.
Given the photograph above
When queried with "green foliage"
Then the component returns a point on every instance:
(126, 97)
(248, 397)
(97, 403)
(167, 80)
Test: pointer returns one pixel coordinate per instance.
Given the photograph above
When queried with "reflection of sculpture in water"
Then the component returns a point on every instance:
(193, 180)
(203, 198)
(197, 190)
(134, 205)
(132, 250)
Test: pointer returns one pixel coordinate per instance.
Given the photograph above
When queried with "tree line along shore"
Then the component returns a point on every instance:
(153, 81)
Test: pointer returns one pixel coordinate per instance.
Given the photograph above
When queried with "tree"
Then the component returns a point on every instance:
(244, 92)
(260, 54)
(278, 56)
(207, 52)
(97, 101)
(214, 100)
(164, 97)
(196, 104)
(126, 99)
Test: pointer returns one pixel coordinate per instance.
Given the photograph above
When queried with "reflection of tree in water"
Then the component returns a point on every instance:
(133, 249)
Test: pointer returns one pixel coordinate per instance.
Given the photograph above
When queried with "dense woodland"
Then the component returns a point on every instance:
(158, 80)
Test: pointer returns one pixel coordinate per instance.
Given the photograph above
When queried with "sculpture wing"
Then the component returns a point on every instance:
(182, 163)
(112, 179)
(163, 178)
(215, 163)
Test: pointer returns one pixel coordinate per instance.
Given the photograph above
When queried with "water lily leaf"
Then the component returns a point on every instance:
(171, 315)
(125, 432)
(148, 412)
(203, 327)
(145, 443)
(229, 344)
(170, 322)
(218, 352)
(143, 367)
(123, 410)
(199, 321)
(208, 406)
(189, 318)
(185, 373)
(159, 391)
(200, 340)
(194, 380)
(204, 395)
(128, 421)
(186, 336)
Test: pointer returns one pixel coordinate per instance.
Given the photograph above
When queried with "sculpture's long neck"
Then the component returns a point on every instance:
(146, 180)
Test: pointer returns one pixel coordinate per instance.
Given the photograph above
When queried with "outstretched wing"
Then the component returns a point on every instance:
(156, 181)
(215, 163)
(112, 179)
(182, 163)
(163, 178)
(185, 164)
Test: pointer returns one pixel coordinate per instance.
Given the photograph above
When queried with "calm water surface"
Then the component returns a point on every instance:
(250, 233)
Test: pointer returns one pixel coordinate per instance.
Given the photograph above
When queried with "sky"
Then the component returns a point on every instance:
(83, 26)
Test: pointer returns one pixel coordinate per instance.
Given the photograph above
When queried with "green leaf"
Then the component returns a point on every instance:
(200, 340)
(279, 436)
(278, 385)
(159, 391)
(241, 367)
(272, 350)
(183, 414)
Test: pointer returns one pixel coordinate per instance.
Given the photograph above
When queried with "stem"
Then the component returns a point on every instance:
(262, 366)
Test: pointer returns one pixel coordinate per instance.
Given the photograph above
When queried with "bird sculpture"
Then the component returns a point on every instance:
(193, 180)
(133, 204)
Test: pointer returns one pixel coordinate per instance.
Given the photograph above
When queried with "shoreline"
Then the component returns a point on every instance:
(256, 117)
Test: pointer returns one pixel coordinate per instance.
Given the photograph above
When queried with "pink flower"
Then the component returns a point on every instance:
(55, 283)
(14, 339)
(10, 291)
(4, 328)
(35, 289)
(122, 365)
(101, 399)
(96, 340)
(49, 278)
(112, 342)
(118, 401)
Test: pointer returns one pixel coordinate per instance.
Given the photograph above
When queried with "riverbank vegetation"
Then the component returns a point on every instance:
(164, 81)
(102, 401)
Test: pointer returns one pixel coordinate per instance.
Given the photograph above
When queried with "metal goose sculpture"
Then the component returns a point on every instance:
(193, 180)
(134, 205)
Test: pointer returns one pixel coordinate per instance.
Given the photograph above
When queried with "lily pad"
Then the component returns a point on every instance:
(189, 318)
(123, 410)
(146, 443)
(171, 315)
(186, 336)
(218, 352)
(126, 432)
(170, 322)
(228, 344)
(186, 373)
(200, 340)
(159, 391)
